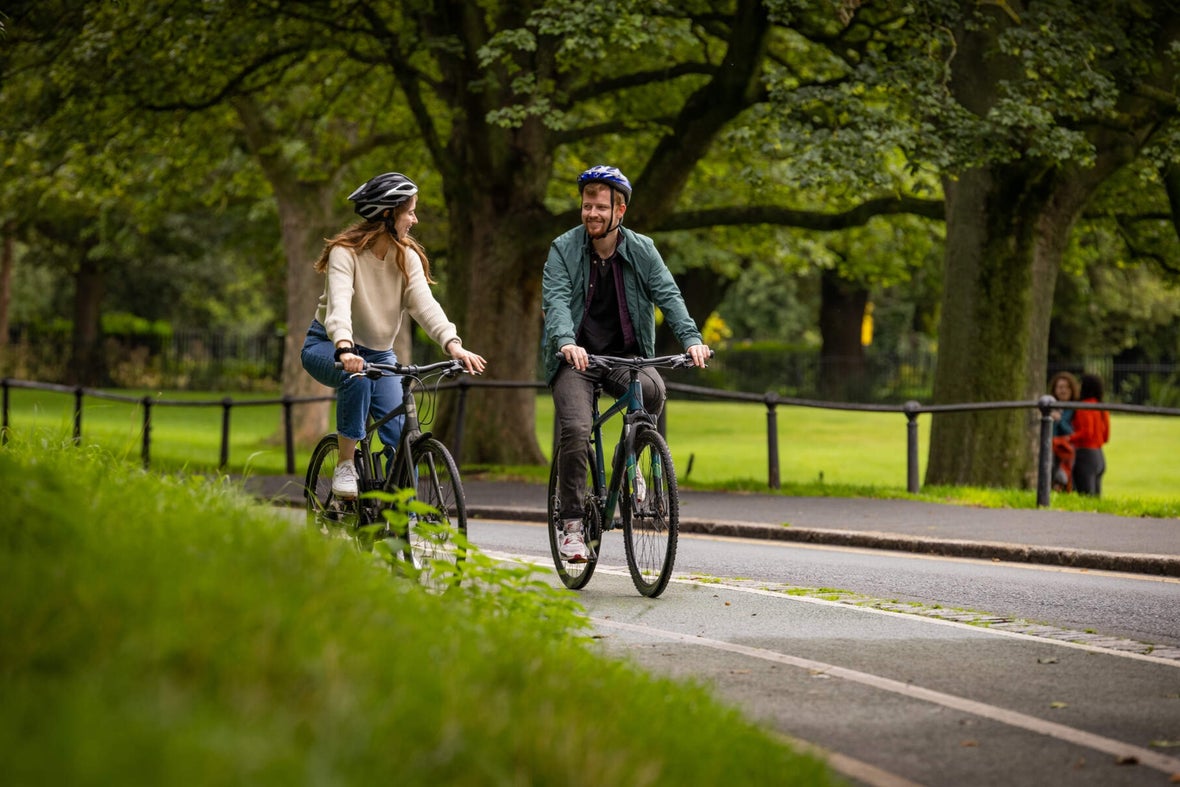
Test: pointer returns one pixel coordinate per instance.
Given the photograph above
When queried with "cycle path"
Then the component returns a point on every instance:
(1047, 536)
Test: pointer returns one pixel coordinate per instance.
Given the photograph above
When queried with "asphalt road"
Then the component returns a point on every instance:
(907, 697)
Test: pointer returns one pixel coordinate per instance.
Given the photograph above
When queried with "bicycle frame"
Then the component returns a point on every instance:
(648, 512)
(634, 418)
(411, 434)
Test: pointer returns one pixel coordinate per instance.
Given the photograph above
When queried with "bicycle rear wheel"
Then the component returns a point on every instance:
(324, 509)
(651, 515)
(432, 535)
(573, 575)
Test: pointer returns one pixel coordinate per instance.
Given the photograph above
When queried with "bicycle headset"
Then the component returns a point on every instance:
(613, 178)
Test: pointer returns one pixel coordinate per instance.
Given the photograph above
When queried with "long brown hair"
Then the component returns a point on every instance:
(364, 234)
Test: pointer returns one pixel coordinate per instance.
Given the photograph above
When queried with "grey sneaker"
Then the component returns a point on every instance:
(344, 480)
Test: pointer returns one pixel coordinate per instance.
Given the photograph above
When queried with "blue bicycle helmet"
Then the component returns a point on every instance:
(608, 175)
(381, 193)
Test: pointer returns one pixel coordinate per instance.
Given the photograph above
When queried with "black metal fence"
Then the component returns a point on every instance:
(212, 360)
(911, 410)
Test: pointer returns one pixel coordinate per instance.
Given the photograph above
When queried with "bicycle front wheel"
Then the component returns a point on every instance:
(324, 509)
(432, 535)
(651, 515)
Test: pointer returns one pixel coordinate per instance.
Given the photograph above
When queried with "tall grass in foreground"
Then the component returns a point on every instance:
(166, 630)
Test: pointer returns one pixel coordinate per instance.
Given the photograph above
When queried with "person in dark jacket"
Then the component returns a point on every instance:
(599, 291)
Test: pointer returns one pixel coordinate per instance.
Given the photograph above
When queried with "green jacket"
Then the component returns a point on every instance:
(647, 283)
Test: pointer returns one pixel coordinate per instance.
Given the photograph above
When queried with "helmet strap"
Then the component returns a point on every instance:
(389, 225)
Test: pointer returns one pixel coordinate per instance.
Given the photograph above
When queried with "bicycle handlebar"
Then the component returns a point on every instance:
(450, 368)
(678, 361)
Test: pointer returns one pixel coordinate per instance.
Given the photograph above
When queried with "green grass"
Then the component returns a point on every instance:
(167, 630)
(715, 446)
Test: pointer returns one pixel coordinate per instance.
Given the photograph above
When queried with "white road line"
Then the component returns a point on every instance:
(1118, 749)
(688, 580)
(850, 767)
(933, 621)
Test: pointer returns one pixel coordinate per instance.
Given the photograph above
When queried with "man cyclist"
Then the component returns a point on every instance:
(599, 291)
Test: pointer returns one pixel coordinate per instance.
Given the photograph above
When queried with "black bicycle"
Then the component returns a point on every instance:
(642, 485)
(421, 463)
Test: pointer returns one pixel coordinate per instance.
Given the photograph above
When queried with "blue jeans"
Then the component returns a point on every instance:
(355, 397)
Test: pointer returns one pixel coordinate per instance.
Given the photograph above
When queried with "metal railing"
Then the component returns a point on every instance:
(911, 410)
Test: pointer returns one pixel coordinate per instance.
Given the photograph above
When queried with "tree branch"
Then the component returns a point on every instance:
(802, 219)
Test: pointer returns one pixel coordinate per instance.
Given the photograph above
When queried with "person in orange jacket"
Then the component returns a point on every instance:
(1091, 431)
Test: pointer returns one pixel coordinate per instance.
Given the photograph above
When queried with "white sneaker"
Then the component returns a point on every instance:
(572, 544)
(344, 480)
(640, 487)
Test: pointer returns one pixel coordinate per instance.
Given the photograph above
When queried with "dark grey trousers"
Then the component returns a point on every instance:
(573, 392)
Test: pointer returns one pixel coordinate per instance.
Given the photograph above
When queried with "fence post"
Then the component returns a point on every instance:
(911, 447)
(4, 425)
(146, 451)
(1045, 455)
(78, 415)
(226, 404)
(772, 440)
(288, 434)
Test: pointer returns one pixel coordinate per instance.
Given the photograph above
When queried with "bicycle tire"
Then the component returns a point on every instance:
(324, 509)
(651, 521)
(431, 535)
(574, 576)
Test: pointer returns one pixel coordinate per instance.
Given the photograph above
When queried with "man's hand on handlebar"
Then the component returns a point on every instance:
(700, 354)
(575, 356)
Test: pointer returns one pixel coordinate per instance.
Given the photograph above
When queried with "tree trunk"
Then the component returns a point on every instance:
(87, 360)
(498, 315)
(1007, 228)
(7, 264)
(841, 357)
(703, 290)
(305, 220)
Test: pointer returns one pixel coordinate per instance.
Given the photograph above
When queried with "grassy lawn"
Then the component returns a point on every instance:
(164, 630)
(715, 445)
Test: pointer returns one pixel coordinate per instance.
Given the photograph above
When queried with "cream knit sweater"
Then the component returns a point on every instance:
(365, 296)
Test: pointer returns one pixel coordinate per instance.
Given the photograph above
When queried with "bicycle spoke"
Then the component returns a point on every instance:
(432, 534)
(573, 575)
(324, 510)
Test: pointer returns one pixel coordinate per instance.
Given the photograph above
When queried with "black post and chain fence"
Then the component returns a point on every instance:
(771, 401)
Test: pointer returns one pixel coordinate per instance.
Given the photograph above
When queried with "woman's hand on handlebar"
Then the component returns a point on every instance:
(472, 362)
(352, 362)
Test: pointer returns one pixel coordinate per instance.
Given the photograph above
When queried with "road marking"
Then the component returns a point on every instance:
(694, 579)
(1097, 572)
(917, 615)
(1118, 749)
(849, 766)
